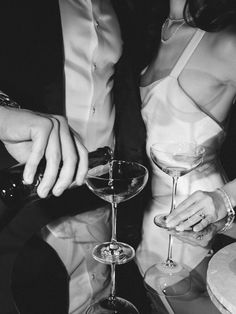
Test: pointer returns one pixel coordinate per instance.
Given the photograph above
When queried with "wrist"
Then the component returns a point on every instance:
(230, 189)
(229, 210)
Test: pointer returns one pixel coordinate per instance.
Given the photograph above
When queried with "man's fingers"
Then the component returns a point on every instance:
(83, 163)
(39, 135)
(69, 159)
(53, 159)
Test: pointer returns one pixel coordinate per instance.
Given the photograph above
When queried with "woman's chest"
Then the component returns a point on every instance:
(200, 76)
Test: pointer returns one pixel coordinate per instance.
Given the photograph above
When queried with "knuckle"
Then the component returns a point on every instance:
(62, 119)
(46, 123)
(56, 123)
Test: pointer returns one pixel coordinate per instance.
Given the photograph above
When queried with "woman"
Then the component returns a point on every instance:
(187, 92)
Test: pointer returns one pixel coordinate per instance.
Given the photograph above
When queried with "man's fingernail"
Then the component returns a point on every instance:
(57, 191)
(28, 178)
(43, 192)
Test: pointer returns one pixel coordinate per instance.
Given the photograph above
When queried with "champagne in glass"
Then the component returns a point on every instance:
(176, 160)
(170, 278)
(115, 182)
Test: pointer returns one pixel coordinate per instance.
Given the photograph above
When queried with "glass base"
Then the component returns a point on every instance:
(170, 281)
(160, 221)
(113, 253)
(115, 305)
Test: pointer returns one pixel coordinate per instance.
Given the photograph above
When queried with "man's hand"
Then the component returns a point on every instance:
(28, 136)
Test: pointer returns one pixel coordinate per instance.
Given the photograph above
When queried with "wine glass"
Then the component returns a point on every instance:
(115, 182)
(176, 159)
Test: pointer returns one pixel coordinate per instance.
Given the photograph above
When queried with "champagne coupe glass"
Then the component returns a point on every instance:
(175, 159)
(115, 182)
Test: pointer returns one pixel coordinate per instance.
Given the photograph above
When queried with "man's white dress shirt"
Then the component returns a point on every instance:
(92, 46)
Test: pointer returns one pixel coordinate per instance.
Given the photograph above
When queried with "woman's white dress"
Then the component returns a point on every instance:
(171, 115)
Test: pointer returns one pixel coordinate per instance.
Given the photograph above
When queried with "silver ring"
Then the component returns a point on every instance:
(199, 237)
(202, 216)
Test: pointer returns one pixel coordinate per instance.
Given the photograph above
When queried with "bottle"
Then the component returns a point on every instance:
(15, 193)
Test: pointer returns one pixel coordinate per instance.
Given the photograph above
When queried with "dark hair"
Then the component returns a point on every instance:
(210, 15)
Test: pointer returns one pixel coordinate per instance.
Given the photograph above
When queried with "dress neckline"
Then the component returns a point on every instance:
(181, 60)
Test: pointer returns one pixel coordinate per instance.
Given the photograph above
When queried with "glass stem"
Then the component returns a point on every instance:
(169, 261)
(113, 219)
(113, 281)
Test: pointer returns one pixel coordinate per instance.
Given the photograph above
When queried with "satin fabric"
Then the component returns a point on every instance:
(92, 46)
(171, 115)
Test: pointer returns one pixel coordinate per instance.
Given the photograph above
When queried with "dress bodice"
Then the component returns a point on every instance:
(171, 115)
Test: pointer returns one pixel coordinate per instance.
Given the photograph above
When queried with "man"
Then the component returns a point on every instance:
(57, 62)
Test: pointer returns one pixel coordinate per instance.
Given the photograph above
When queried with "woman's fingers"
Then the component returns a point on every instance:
(197, 211)
(183, 211)
(203, 223)
(196, 238)
(180, 213)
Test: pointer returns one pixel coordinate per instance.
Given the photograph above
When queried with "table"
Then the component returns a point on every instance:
(23, 253)
(221, 279)
(20, 248)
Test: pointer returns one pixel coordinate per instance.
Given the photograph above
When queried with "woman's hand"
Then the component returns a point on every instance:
(198, 211)
(28, 136)
(202, 238)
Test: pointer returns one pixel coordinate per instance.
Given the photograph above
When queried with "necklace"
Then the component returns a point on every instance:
(167, 24)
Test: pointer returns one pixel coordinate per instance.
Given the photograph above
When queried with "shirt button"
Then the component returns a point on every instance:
(93, 276)
(94, 66)
(97, 24)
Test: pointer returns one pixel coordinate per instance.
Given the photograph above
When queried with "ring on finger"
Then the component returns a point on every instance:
(202, 216)
(199, 237)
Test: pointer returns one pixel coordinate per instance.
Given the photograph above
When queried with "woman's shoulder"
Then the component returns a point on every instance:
(225, 41)
(222, 45)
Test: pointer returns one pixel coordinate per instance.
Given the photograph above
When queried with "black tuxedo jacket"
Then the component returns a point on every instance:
(32, 66)
(32, 73)
(32, 70)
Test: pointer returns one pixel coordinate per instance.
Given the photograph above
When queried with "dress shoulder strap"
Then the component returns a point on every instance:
(187, 53)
